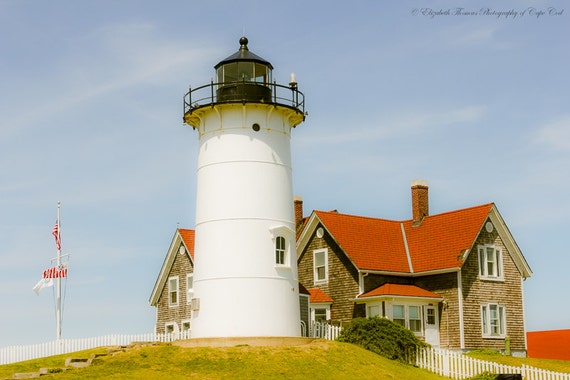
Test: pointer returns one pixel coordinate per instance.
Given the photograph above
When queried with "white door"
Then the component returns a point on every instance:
(432, 326)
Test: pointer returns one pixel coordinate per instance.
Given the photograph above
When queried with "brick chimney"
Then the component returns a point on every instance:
(298, 202)
(420, 201)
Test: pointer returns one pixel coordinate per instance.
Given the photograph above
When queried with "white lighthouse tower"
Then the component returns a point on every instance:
(245, 271)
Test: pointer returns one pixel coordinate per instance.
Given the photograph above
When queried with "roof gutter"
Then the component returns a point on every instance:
(407, 274)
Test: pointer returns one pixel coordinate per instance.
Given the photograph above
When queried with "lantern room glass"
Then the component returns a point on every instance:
(244, 72)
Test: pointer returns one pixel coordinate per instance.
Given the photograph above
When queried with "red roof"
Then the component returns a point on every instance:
(318, 296)
(378, 244)
(551, 344)
(400, 290)
(188, 238)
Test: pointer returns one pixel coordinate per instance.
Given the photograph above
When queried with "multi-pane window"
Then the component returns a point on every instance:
(170, 328)
(430, 316)
(399, 315)
(173, 291)
(320, 265)
(415, 318)
(493, 320)
(186, 325)
(280, 250)
(490, 262)
(408, 316)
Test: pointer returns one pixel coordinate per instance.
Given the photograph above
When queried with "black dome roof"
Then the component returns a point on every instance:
(243, 54)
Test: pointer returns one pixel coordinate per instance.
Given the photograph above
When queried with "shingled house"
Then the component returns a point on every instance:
(455, 279)
(172, 290)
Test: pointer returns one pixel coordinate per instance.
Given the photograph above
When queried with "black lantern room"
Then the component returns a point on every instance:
(243, 76)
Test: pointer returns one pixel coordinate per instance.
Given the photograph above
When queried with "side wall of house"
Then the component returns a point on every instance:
(507, 292)
(342, 284)
(166, 314)
(445, 285)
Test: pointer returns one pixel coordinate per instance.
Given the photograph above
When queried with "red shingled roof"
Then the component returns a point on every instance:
(188, 237)
(400, 290)
(378, 244)
(317, 295)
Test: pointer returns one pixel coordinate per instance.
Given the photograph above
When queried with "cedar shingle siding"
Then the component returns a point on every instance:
(166, 314)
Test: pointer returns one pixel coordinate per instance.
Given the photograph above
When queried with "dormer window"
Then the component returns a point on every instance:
(490, 262)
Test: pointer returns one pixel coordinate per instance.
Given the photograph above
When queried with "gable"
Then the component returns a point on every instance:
(182, 238)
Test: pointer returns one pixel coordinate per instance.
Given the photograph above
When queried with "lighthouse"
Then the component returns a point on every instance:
(245, 266)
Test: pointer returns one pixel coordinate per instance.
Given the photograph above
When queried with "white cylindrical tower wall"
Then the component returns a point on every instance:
(244, 202)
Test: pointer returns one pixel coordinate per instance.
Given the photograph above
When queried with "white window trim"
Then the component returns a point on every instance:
(326, 254)
(189, 291)
(177, 303)
(184, 321)
(326, 306)
(407, 316)
(483, 275)
(287, 234)
(486, 321)
(174, 328)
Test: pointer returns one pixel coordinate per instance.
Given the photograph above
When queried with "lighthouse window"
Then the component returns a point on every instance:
(280, 250)
(173, 291)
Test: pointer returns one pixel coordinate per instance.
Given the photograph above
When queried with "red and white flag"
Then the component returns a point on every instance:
(55, 233)
(56, 272)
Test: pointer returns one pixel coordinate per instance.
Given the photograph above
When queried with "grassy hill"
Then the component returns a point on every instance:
(317, 360)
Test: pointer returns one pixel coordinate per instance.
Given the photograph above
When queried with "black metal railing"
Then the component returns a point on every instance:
(244, 92)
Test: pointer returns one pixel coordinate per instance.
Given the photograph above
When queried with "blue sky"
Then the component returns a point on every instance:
(91, 115)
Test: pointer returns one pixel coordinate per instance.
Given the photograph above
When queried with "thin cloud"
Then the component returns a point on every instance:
(555, 134)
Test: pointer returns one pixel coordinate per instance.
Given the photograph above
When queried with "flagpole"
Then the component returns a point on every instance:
(58, 279)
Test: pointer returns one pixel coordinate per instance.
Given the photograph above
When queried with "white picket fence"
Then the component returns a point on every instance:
(15, 354)
(324, 330)
(458, 366)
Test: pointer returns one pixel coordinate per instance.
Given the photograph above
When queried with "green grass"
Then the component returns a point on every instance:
(317, 360)
(494, 356)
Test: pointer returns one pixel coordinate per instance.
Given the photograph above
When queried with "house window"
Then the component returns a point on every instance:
(493, 320)
(170, 328)
(409, 317)
(321, 313)
(280, 250)
(399, 315)
(490, 262)
(189, 287)
(373, 311)
(415, 319)
(185, 325)
(173, 291)
(320, 266)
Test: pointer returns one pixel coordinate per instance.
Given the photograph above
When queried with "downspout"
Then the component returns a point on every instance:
(460, 305)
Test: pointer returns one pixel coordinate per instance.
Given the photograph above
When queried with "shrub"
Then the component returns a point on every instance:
(383, 337)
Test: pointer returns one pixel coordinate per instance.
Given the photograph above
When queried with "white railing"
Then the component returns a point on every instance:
(324, 330)
(458, 366)
(15, 354)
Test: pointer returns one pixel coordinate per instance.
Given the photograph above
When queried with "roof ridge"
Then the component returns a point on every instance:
(405, 220)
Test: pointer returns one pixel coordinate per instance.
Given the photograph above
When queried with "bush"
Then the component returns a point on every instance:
(383, 337)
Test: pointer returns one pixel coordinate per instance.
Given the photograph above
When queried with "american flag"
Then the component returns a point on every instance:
(55, 233)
